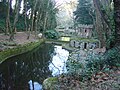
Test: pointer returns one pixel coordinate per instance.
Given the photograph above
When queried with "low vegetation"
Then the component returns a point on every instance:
(52, 34)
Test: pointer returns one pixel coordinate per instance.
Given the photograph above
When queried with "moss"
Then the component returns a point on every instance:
(50, 83)
(18, 50)
(51, 40)
(85, 39)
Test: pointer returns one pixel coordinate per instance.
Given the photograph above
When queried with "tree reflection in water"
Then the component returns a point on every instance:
(58, 64)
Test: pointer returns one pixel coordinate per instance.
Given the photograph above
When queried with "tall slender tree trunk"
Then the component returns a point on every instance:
(11, 7)
(117, 21)
(8, 25)
(33, 16)
(25, 8)
(34, 21)
(38, 20)
(15, 19)
(45, 18)
(27, 27)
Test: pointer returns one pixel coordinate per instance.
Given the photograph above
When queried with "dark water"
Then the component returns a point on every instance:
(18, 73)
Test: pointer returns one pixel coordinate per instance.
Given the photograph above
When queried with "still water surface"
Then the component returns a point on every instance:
(28, 70)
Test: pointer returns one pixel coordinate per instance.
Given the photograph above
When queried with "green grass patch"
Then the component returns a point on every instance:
(54, 41)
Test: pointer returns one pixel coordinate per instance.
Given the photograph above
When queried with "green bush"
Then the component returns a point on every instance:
(51, 34)
(74, 67)
(95, 63)
(112, 57)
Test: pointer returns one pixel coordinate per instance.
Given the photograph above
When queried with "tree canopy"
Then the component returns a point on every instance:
(83, 12)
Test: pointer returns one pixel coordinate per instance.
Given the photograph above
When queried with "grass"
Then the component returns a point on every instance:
(18, 50)
(56, 41)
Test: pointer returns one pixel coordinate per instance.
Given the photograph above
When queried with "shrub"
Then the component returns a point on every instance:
(51, 34)
(95, 63)
(112, 57)
(74, 67)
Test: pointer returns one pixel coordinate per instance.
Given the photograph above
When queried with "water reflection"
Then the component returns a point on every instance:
(16, 73)
(58, 64)
(35, 85)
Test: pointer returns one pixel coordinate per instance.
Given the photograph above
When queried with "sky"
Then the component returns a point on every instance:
(65, 15)
(62, 1)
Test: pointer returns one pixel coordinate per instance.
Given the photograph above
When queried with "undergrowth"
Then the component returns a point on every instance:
(95, 64)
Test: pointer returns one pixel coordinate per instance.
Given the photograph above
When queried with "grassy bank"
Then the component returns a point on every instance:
(18, 50)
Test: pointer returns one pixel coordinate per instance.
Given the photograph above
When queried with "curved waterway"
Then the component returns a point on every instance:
(27, 71)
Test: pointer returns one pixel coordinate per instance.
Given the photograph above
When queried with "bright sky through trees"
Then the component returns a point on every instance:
(62, 1)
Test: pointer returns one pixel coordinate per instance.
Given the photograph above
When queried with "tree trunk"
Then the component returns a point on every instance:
(15, 19)
(45, 18)
(117, 21)
(103, 15)
(39, 15)
(8, 25)
(98, 24)
(25, 6)
(33, 16)
(99, 29)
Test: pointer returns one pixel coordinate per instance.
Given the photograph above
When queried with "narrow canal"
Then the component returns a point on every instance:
(24, 71)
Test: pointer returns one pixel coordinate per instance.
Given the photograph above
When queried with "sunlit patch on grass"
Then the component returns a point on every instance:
(65, 38)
